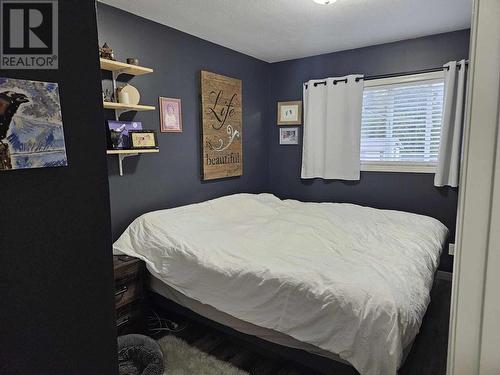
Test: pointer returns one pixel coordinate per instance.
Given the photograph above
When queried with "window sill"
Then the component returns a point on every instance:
(398, 167)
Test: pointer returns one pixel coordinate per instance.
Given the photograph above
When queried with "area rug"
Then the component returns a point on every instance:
(182, 359)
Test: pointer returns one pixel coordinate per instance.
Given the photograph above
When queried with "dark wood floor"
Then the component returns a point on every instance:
(430, 350)
(428, 355)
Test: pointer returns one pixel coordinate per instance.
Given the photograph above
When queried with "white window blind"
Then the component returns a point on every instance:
(401, 121)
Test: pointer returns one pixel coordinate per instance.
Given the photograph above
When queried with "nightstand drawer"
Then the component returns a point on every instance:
(129, 318)
(127, 292)
(127, 268)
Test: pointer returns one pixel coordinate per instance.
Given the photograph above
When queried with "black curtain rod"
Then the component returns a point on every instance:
(390, 75)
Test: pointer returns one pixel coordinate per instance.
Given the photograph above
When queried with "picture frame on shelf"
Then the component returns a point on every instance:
(170, 115)
(119, 133)
(290, 113)
(143, 139)
(289, 136)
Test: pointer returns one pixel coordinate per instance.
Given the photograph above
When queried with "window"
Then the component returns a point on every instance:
(401, 123)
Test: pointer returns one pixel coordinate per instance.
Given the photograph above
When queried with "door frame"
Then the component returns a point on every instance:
(475, 306)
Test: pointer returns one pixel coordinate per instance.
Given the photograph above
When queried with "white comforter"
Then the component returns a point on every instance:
(349, 279)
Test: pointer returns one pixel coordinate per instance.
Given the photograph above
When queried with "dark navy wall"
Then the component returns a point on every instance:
(401, 191)
(172, 177)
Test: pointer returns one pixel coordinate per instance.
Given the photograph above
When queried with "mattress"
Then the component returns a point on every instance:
(159, 287)
(351, 280)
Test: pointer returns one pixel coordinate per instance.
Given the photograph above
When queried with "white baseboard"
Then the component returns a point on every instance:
(443, 275)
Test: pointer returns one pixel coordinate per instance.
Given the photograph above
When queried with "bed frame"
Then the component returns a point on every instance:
(167, 299)
(320, 364)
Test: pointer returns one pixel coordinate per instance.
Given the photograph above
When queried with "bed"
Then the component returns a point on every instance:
(343, 280)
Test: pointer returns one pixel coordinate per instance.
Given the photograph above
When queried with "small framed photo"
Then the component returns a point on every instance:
(170, 115)
(118, 132)
(289, 136)
(143, 139)
(290, 113)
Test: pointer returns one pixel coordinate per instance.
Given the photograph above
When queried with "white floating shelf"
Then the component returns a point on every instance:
(116, 68)
(134, 152)
(122, 154)
(123, 68)
(128, 107)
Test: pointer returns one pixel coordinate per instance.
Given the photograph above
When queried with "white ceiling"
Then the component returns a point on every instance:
(276, 30)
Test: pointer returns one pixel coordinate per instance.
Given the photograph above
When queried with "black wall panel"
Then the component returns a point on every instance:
(56, 278)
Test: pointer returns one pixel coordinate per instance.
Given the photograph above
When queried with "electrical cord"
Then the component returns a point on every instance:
(158, 325)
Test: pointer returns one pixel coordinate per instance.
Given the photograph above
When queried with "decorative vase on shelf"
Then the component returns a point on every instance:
(133, 94)
(123, 97)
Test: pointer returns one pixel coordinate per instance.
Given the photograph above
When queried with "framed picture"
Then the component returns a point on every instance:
(222, 126)
(290, 113)
(119, 133)
(170, 115)
(31, 125)
(289, 136)
(143, 139)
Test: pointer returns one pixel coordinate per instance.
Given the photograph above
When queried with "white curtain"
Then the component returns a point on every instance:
(450, 147)
(332, 128)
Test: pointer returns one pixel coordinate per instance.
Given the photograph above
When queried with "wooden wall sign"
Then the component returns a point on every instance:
(221, 126)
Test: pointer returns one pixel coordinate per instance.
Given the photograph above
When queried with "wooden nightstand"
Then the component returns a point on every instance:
(129, 294)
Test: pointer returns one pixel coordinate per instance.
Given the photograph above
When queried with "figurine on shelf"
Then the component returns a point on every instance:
(107, 95)
(106, 52)
(132, 61)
